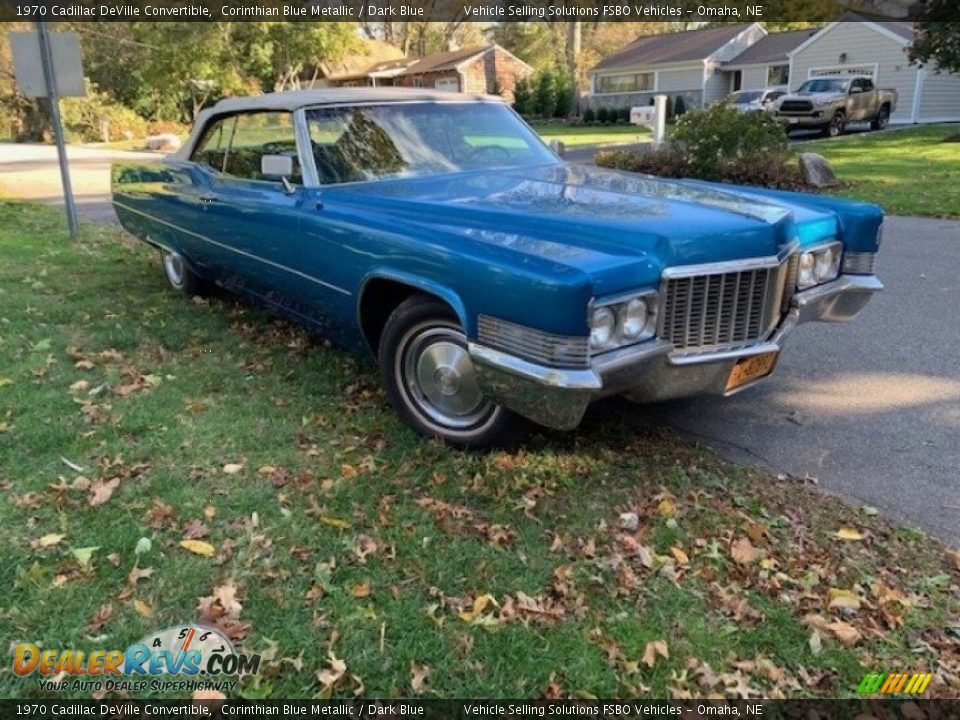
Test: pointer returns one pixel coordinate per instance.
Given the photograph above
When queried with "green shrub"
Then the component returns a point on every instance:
(589, 116)
(719, 144)
(522, 97)
(719, 136)
(86, 118)
(679, 106)
(603, 115)
(545, 94)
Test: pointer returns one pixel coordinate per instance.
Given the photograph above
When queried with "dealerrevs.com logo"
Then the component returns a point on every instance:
(187, 657)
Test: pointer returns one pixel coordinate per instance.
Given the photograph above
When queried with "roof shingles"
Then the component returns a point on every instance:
(689, 46)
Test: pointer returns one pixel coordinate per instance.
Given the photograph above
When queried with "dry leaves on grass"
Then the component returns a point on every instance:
(199, 547)
(101, 491)
(418, 677)
(653, 650)
(222, 610)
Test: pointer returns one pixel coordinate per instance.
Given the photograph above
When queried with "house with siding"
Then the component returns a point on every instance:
(717, 61)
(484, 69)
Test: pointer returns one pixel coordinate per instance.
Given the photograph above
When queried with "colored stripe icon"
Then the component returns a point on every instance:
(894, 684)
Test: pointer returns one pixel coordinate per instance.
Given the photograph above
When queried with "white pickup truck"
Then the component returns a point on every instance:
(829, 103)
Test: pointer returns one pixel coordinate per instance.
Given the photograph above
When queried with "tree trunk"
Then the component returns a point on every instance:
(574, 43)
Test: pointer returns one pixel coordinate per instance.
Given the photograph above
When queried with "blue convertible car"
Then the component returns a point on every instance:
(489, 278)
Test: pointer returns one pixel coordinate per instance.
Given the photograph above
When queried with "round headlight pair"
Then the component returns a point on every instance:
(632, 318)
(818, 266)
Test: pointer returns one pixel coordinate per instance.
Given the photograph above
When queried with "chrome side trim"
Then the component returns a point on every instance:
(533, 344)
(233, 249)
(566, 379)
(858, 263)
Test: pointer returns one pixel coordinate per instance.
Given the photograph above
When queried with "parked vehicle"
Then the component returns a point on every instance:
(754, 100)
(487, 277)
(829, 103)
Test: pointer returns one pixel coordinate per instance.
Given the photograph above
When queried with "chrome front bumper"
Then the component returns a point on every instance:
(651, 371)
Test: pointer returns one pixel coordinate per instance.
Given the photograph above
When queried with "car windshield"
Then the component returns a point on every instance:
(745, 98)
(824, 85)
(379, 142)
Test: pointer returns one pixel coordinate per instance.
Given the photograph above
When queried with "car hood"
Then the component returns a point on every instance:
(593, 218)
(823, 96)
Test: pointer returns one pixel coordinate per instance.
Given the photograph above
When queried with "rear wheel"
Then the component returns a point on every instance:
(431, 380)
(180, 276)
(882, 119)
(837, 124)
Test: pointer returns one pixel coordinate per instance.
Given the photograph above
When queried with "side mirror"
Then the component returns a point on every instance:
(276, 166)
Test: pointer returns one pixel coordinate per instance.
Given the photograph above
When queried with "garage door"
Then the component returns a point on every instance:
(447, 84)
(844, 71)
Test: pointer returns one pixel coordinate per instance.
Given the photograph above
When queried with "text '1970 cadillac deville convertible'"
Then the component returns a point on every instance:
(489, 278)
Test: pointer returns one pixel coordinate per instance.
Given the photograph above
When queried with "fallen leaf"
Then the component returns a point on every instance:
(136, 574)
(654, 649)
(680, 555)
(79, 386)
(848, 534)
(232, 468)
(194, 530)
(815, 643)
(101, 492)
(843, 600)
(480, 604)
(361, 590)
(199, 547)
(83, 365)
(334, 522)
(667, 508)
(50, 540)
(209, 512)
(100, 618)
(143, 609)
(329, 677)
(743, 552)
(348, 471)
(84, 555)
(418, 677)
(845, 633)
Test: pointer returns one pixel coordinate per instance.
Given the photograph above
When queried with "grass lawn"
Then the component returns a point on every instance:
(909, 172)
(334, 534)
(576, 135)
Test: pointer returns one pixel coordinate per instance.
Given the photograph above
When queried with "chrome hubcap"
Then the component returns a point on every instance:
(441, 379)
(173, 266)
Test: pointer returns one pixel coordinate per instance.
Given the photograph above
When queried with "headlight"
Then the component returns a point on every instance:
(634, 319)
(603, 323)
(819, 265)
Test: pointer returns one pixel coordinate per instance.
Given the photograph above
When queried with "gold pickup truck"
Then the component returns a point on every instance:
(829, 103)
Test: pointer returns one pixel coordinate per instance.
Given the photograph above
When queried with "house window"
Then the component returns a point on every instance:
(418, 81)
(632, 82)
(447, 84)
(778, 75)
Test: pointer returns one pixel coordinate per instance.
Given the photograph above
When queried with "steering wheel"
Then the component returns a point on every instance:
(494, 152)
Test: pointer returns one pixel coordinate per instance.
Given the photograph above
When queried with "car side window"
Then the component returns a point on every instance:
(236, 144)
(867, 85)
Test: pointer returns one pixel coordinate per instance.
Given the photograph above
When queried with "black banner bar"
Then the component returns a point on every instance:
(445, 10)
(354, 709)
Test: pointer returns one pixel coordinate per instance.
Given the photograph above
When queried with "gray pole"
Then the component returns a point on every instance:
(49, 77)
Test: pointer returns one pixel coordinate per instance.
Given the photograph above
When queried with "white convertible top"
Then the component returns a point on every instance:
(296, 99)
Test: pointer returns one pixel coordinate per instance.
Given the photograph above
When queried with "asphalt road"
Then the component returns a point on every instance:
(871, 409)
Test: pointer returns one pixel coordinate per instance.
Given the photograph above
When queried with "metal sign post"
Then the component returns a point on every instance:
(50, 78)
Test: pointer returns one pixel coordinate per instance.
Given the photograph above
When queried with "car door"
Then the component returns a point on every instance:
(250, 221)
(858, 99)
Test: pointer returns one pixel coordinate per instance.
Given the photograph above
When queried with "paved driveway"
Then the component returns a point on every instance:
(870, 409)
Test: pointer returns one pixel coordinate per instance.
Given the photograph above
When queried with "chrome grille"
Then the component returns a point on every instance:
(532, 344)
(725, 310)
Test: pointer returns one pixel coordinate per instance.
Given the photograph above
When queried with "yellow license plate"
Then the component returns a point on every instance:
(751, 368)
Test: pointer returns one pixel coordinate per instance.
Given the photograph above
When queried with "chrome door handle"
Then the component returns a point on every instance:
(208, 198)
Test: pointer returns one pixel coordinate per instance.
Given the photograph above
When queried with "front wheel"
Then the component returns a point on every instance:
(837, 124)
(181, 277)
(431, 380)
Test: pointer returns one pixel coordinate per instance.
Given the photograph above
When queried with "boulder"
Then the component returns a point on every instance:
(164, 142)
(816, 171)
